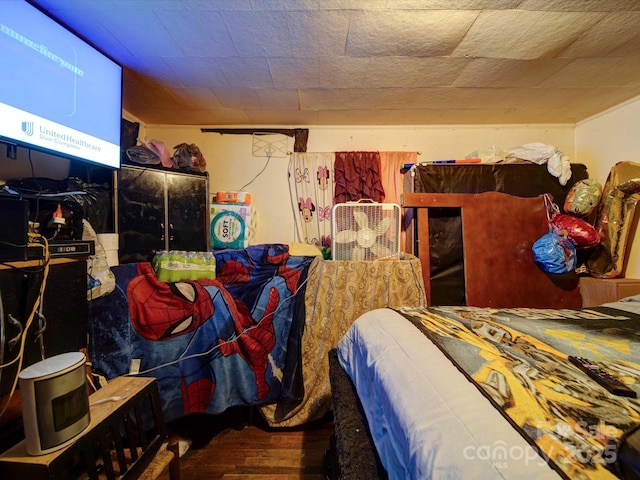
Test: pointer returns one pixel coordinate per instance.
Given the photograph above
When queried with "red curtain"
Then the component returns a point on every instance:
(357, 176)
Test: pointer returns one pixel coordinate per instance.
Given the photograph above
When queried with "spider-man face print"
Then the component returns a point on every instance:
(161, 310)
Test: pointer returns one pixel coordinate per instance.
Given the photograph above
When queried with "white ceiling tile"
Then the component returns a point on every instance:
(196, 72)
(580, 5)
(259, 33)
(521, 34)
(201, 5)
(381, 117)
(454, 5)
(246, 72)
(405, 33)
(152, 67)
(141, 31)
(413, 71)
(606, 36)
(282, 117)
(341, 99)
(498, 72)
(199, 117)
(278, 99)
(294, 72)
(187, 31)
(628, 49)
(345, 72)
(239, 98)
(285, 4)
(418, 98)
(361, 62)
(318, 33)
(196, 98)
(593, 72)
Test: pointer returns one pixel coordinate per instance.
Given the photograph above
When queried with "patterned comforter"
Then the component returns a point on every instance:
(518, 359)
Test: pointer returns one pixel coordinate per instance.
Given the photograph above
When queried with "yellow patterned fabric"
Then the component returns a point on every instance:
(517, 357)
(338, 292)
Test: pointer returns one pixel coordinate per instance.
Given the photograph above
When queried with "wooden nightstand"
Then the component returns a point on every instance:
(596, 291)
(121, 440)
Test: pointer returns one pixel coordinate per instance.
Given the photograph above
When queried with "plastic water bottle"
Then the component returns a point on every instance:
(210, 264)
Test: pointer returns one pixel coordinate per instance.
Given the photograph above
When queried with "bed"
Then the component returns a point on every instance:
(211, 344)
(470, 392)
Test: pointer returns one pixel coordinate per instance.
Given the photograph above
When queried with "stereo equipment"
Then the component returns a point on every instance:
(14, 220)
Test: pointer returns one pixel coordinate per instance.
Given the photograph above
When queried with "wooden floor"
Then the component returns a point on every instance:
(245, 448)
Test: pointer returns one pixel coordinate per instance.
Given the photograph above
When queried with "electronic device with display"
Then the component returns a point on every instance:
(55, 402)
(60, 95)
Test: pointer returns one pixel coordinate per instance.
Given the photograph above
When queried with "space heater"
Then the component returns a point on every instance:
(55, 402)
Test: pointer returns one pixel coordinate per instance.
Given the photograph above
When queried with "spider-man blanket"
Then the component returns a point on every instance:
(211, 344)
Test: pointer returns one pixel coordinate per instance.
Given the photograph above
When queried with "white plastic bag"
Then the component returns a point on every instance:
(492, 154)
(102, 281)
(558, 164)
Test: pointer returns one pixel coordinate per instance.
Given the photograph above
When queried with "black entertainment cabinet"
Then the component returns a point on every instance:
(160, 209)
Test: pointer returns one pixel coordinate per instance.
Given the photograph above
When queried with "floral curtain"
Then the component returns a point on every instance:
(311, 186)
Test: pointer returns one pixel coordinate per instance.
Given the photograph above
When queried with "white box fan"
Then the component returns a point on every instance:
(365, 230)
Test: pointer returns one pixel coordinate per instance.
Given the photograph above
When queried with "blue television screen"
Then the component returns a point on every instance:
(58, 93)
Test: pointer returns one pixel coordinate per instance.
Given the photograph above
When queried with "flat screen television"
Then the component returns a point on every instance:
(58, 94)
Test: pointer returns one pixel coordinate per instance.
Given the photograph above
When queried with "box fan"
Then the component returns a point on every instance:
(365, 230)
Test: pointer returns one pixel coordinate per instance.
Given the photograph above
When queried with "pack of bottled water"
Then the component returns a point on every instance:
(179, 265)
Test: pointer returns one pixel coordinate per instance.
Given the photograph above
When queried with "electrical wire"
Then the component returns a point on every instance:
(34, 311)
(257, 175)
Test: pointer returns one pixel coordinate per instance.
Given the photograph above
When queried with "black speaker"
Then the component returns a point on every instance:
(14, 220)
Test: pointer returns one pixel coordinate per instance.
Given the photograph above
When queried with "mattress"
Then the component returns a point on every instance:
(445, 427)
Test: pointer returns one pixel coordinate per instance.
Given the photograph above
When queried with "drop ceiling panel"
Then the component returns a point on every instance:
(407, 33)
(507, 73)
(413, 71)
(323, 62)
(521, 34)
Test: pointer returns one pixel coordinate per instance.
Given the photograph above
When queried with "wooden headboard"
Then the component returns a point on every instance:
(498, 231)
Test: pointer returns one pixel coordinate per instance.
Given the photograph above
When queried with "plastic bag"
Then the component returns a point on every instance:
(558, 164)
(163, 152)
(188, 156)
(554, 253)
(579, 232)
(583, 197)
(101, 280)
(143, 155)
(492, 154)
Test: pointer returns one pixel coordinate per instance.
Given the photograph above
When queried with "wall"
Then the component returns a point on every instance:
(231, 165)
(604, 140)
(598, 142)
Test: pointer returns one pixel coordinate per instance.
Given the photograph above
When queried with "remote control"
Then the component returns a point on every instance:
(608, 381)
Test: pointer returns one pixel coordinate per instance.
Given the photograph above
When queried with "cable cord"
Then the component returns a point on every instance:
(257, 175)
(34, 312)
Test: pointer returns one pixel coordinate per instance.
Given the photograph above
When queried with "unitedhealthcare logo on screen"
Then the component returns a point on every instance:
(27, 127)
